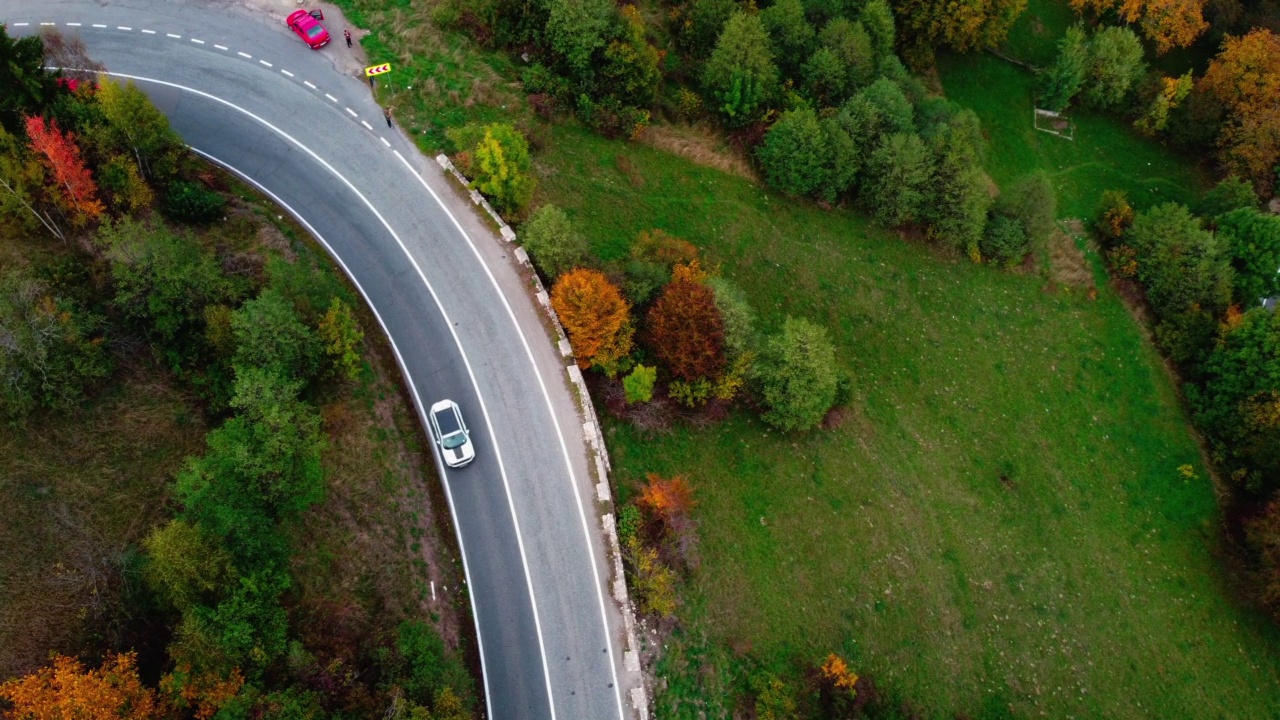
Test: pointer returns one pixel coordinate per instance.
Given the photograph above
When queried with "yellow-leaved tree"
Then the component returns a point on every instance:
(962, 25)
(1245, 78)
(1167, 23)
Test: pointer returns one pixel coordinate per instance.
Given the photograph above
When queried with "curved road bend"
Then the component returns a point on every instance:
(278, 114)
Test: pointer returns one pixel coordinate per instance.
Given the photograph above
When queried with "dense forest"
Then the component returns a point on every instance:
(195, 450)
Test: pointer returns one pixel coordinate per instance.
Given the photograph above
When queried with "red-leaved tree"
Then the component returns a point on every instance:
(60, 154)
(686, 332)
(667, 504)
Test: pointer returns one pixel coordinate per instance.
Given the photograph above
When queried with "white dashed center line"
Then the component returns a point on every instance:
(197, 41)
(73, 24)
(95, 25)
(47, 24)
(26, 24)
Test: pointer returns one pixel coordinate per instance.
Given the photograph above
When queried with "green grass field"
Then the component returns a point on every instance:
(1001, 520)
(1105, 154)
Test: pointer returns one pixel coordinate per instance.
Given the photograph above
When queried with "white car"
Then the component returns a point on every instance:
(451, 434)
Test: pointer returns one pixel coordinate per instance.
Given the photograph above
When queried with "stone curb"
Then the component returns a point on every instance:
(595, 441)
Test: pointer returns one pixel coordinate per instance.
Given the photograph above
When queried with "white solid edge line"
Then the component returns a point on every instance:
(564, 448)
(404, 370)
(457, 341)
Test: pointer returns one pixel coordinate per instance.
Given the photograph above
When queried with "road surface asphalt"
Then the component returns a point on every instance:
(245, 92)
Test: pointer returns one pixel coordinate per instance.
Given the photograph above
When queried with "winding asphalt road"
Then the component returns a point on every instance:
(247, 94)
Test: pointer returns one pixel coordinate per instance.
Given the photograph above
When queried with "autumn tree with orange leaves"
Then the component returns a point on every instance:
(667, 505)
(836, 673)
(71, 180)
(1245, 78)
(68, 691)
(840, 686)
(686, 332)
(1167, 23)
(595, 316)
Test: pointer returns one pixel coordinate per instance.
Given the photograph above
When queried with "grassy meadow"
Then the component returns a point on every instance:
(1012, 514)
(1105, 154)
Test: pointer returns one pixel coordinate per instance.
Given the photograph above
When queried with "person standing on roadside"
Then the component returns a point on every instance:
(347, 34)
(386, 113)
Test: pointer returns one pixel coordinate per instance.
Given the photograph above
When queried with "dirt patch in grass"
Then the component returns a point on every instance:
(699, 145)
(1067, 262)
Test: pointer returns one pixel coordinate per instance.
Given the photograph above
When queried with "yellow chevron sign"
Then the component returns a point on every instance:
(377, 69)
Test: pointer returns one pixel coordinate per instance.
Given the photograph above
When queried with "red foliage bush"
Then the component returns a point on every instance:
(71, 179)
(686, 332)
(667, 504)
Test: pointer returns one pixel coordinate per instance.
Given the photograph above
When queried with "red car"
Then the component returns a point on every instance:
(308, 28)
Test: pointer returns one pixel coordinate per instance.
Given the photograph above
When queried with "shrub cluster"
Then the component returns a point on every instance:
(697, 331)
